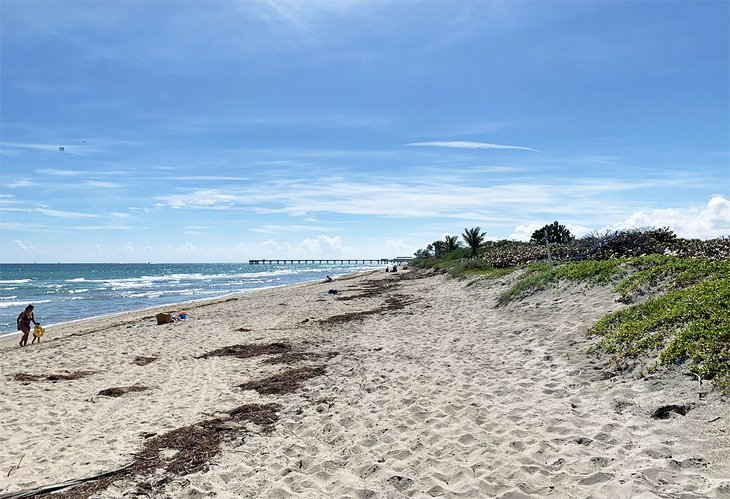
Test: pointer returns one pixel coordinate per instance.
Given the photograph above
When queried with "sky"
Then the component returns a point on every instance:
(222, 131)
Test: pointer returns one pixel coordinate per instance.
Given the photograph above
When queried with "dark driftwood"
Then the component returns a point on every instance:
(61, 485)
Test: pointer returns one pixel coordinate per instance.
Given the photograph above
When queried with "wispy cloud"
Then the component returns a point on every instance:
(57, 172)
(35, 147)
(207, 198)
(54, 172)
(24, 247)
(103, 185)
(65, 214)
(467, 144)
(414, 198)
(197, 178)
(21, 183)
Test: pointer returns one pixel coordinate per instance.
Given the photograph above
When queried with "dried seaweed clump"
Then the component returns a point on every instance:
(391, 303)
(286, 382)
(180, 452)
(143, 361)
(246, 351)
(121, 390)
(190, 448)
(367, 289)
(52, 377)
(294, 357)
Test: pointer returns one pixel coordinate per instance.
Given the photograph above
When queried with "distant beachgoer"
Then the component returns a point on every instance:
(395, 268)
(328, 279)
(387, 269)
(24, 320)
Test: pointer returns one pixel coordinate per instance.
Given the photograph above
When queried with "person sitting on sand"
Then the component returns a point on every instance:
(328, 279)
(24, 320)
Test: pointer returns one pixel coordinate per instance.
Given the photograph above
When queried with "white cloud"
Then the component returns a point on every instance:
(24, 247)
(324, 246)
(103, 185)
(65, 214)
(524, 232)
(208, 198)
(466, 144)
(263, 249)
(54, 172)
(21, 183)
(398, 247)
(128, 248)
(414, 197)
(35, 147)
(692, 222)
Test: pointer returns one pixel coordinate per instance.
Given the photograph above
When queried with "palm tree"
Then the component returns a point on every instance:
(439, 248)
(452, 243)
(474, 238)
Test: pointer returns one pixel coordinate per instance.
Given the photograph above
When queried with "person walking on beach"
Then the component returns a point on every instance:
(24, 320)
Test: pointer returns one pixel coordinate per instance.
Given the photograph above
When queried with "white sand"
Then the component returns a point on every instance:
(448, 396)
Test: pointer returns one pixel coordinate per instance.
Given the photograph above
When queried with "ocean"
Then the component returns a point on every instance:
(68, 292)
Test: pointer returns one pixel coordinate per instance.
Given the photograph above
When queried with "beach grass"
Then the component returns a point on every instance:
(678, 313)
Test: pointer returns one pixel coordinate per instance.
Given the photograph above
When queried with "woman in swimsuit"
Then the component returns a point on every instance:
(24, 320)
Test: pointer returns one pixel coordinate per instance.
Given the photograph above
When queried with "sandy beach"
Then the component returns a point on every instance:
(400, 385)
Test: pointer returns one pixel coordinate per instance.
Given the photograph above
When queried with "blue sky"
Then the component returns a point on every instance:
(223, 131)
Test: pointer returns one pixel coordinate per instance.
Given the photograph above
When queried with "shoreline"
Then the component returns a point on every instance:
(417, 386)
(190, 304)
(84, 291)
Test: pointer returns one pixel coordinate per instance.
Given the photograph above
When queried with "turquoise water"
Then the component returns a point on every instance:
(66, 292)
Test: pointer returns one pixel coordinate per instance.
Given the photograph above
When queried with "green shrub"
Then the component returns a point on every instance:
(554, 232)
(689, 324)
(538, 275)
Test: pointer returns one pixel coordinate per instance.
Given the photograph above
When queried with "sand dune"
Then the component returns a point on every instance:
(427, 390)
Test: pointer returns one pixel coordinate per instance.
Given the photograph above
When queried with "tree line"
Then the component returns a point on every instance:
(474, 238)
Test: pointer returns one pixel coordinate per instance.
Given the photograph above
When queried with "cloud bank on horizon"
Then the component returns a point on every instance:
(233, 130)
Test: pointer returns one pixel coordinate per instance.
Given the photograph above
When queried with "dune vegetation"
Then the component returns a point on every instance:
(677, 291)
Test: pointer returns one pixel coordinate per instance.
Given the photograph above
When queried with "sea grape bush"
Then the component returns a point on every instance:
(554, 233)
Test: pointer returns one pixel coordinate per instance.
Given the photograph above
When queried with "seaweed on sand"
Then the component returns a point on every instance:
(286, 382)
(52, 377)
(249, 350)
(181, 451)
(391, 303)
(143, 361)
(294, 357)
(118, 391)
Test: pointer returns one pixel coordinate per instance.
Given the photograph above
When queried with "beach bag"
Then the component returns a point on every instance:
(163, 318)
(38, 331)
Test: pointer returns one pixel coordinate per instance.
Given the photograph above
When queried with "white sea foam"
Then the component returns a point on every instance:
(14, 281)
(8, 304)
